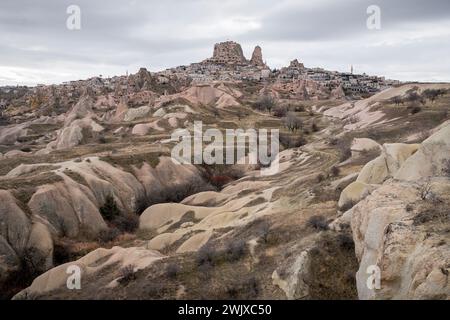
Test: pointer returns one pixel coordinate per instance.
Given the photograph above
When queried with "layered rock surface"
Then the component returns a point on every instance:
(402, 227)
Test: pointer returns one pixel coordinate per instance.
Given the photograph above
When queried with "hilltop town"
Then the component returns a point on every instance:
(227, 64)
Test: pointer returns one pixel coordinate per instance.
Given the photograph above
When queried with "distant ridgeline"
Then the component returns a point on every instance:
(228, 63)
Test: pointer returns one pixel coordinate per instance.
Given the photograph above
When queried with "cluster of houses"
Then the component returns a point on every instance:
(205, 72)
(227, 64)
(350, 82)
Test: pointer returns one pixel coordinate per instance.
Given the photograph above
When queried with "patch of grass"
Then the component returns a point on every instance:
(76, 177)
(333, 268)
(126, 161)
(318, 223)
(29, 182)
(187, 217)
(172, 270)
(109, 210)
(108, 235)
(248, 287)
(255, 202)
(292, 140)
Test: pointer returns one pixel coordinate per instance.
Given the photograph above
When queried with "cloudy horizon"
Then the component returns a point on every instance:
(120, 36)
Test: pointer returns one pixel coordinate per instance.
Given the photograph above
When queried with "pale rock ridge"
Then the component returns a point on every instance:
(92, 264)
(257, 58)
(376, 171)
(389, 233)
(69, 207)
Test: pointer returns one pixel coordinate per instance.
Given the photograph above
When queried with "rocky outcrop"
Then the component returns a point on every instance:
(387, 164)
(401, 227)
(82, 109)
(353, 193)
(228, 52)
(430, 160)
(142, 129)
(121, 111)
(76, 132)
(360, 145)
(136, 113)
(377, 171)
(257, 58)
(295, 280)
(14, 223)
(9, 261)
(70, 207)
(79, 125)
(338, 93)
(413, 258)
(10, 134)
(142, 80)
(92, 265)
(67, 208)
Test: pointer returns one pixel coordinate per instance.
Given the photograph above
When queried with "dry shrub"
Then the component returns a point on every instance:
(335, 171)
(318, 223)
(292, 141)
(127, 274)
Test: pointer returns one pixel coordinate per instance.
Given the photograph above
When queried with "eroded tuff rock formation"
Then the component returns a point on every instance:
(228, 52)
(401, 223)
(257, 58)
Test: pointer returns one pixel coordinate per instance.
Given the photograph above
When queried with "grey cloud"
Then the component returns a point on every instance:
(121, 34)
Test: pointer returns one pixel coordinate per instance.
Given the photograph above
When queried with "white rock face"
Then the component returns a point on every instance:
(136, 113)
(66, 208)
(354, 192)
(412, 255)
(81, 118)
(69, 208)
(15, 153)
(411, 258)
(364, 144)
(159, 113)
(40, 241)
(72, 134)
(142, 129)
(82, 109)
(387, 164)
(294, 284)
(10, 134)
(14, 223)
(430, 159)
(377, 171)
(91, 265)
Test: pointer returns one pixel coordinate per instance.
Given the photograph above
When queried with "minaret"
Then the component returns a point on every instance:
(351, 69)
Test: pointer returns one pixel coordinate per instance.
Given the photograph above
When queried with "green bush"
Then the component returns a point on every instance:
(109, 210)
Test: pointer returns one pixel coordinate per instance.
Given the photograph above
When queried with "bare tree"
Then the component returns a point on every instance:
(265, 102)
(397, 100)
(292, 122)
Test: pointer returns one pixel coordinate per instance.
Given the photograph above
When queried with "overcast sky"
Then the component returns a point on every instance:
(119, 35)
